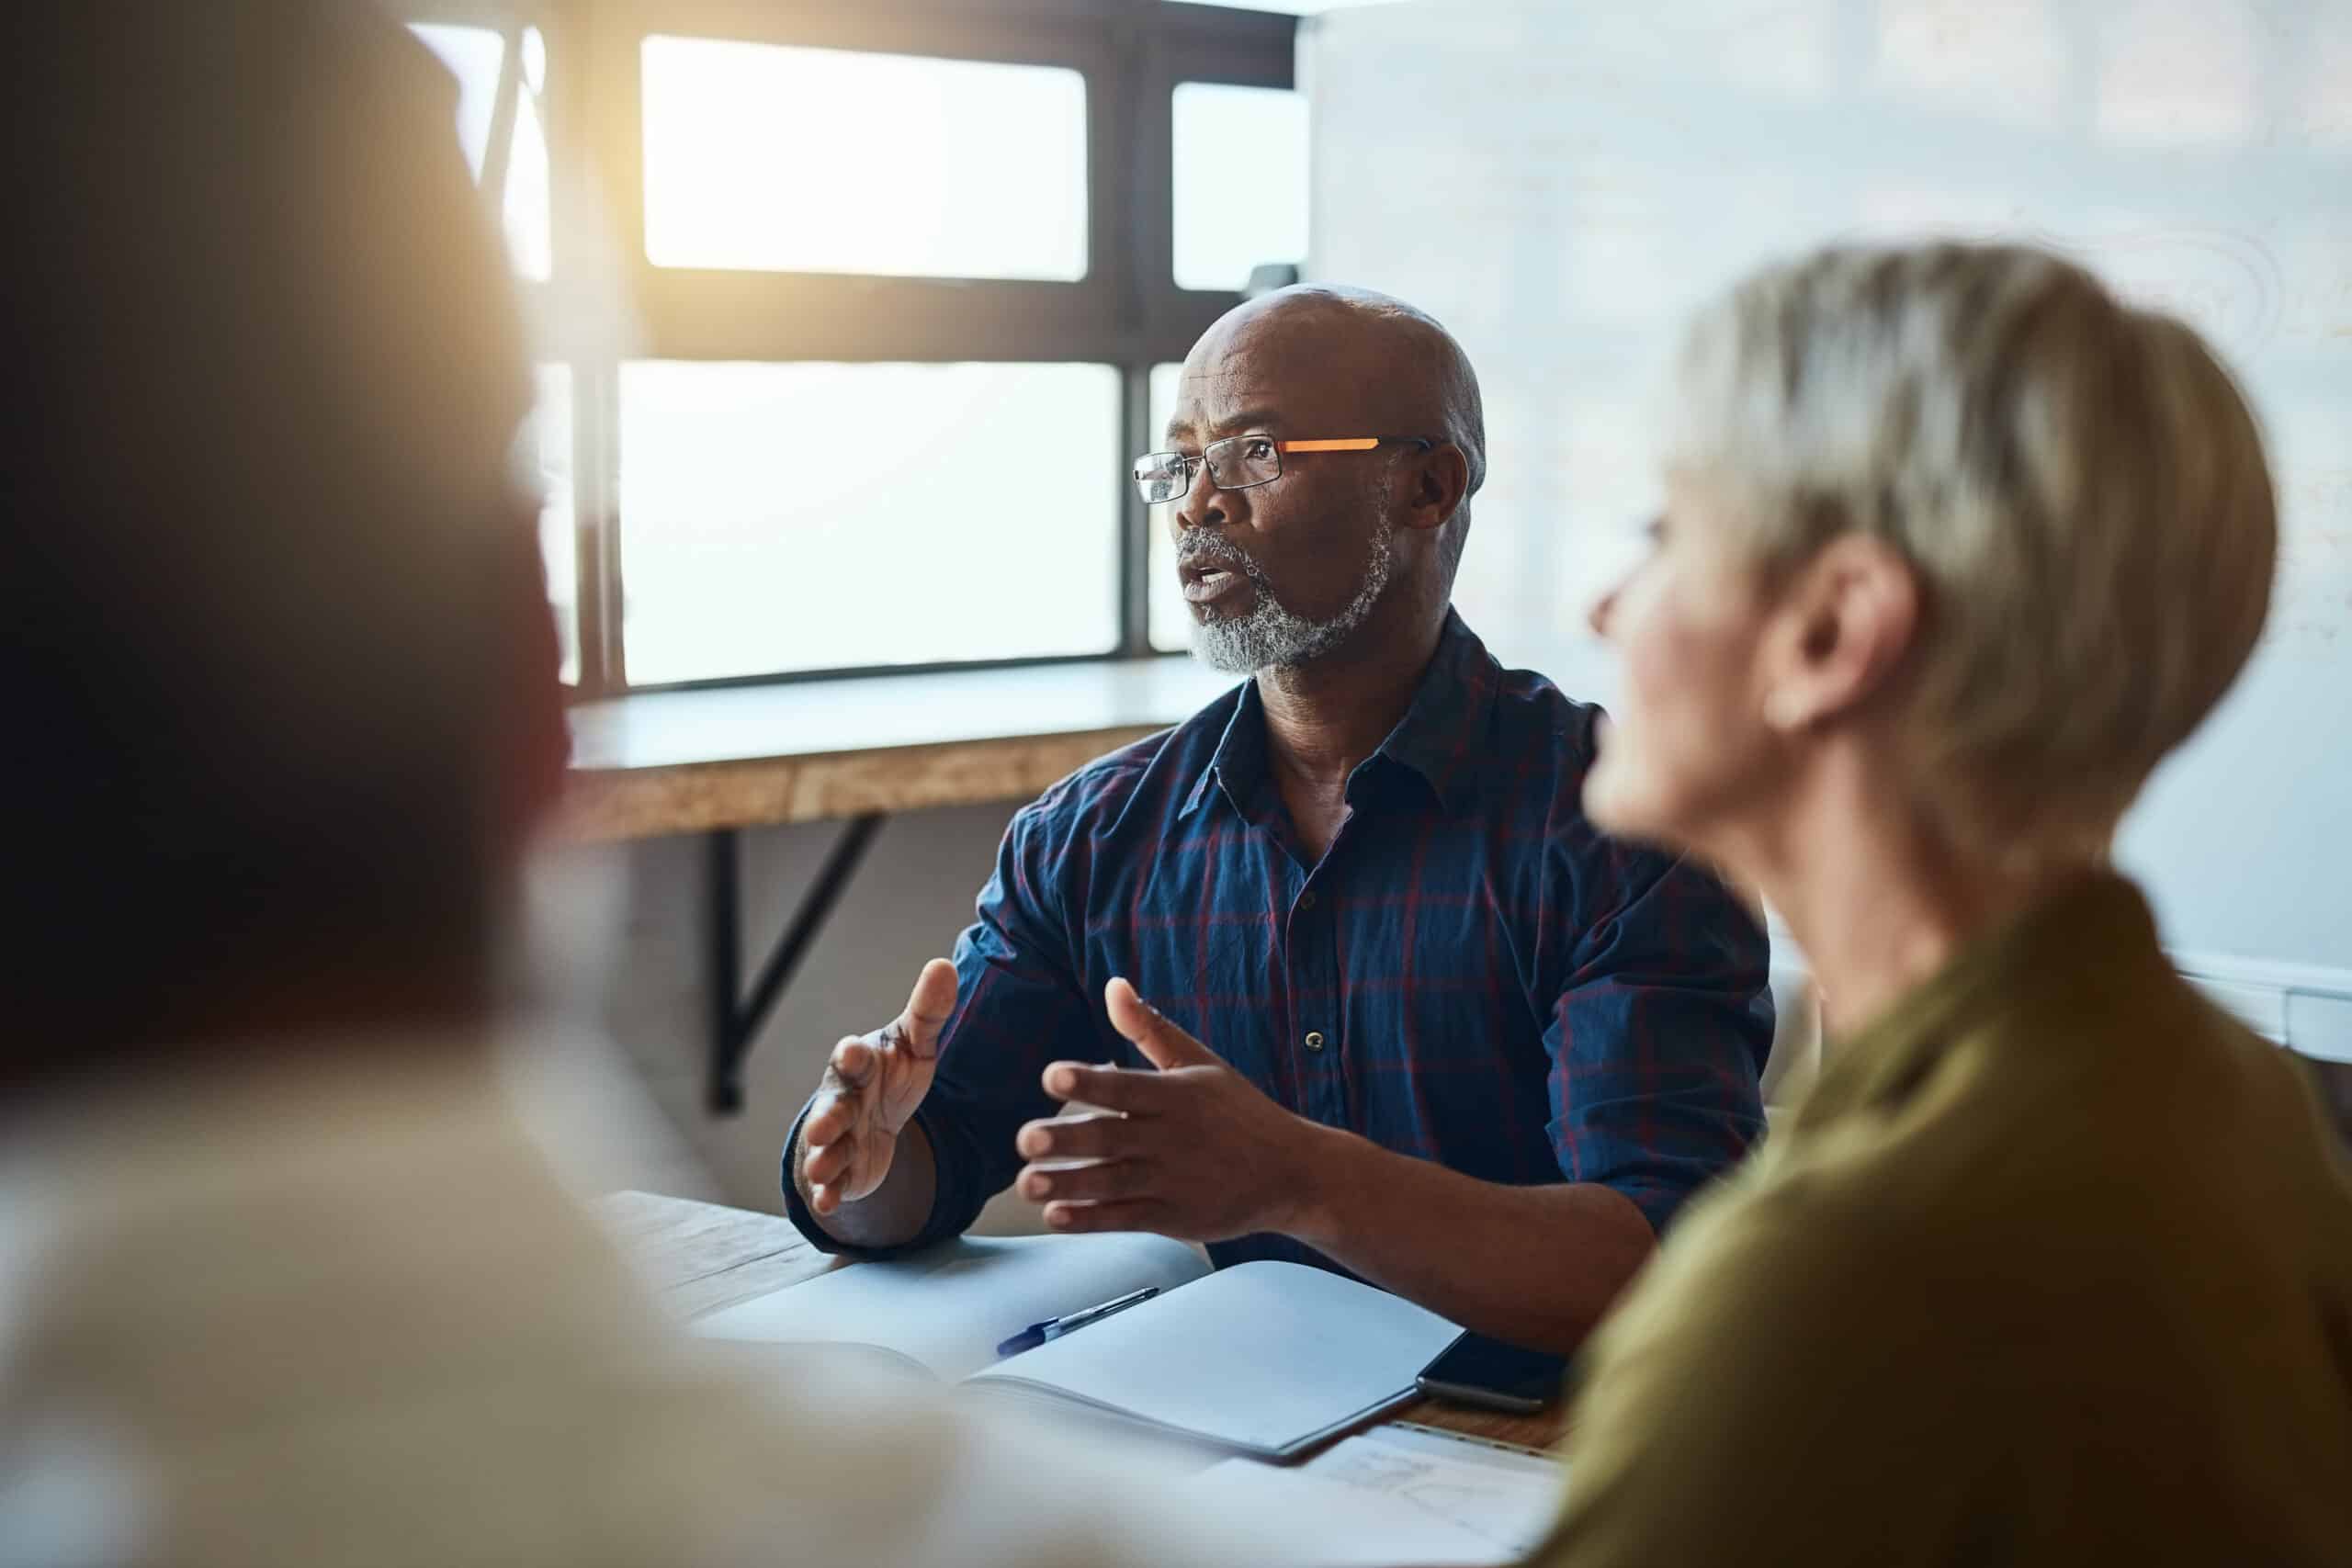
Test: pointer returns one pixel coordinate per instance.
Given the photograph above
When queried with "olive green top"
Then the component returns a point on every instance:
(2054, 1266)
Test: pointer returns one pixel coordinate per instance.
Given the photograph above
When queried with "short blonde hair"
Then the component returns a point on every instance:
(2079, 484)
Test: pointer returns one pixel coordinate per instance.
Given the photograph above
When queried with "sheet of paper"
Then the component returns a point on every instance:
(948, 1307)
(1259, 1356)
(1507, 1499)
(1387, 1499)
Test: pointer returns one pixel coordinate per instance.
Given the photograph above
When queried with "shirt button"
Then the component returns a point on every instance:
(1306, 899)
(1315, 1040)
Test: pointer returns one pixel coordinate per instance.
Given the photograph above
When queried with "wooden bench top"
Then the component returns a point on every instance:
(659, 763)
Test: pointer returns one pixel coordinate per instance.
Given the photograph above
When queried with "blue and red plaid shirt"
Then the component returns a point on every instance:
(1472, 973)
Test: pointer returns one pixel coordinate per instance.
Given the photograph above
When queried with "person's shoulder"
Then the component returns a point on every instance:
(1531, 716)
(1793, 1284)
(1538, 745)
(1153, 774)
(1535, 738)
(1531, 705)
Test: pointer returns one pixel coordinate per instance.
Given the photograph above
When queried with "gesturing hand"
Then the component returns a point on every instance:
(1196, 1152)
(873, 1083)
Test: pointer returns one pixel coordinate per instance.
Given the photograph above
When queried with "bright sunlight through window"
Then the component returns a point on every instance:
(766, 158)
(475, 56)
(816, 516)
(1171, 618)
(1240, 182)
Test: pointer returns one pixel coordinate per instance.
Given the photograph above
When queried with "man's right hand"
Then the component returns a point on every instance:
(873, 1083)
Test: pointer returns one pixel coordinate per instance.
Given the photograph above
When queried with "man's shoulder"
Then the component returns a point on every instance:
(1531, 710)
(1153, 774)
(1534, 745)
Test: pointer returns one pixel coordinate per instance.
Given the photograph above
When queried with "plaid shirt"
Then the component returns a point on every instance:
(1472, 973)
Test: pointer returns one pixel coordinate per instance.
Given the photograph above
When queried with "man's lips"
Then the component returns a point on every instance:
(1211, 574)
(1203, 583)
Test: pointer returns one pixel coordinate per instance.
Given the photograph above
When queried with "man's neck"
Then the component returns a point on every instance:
(1877, 897)
(1326, 716)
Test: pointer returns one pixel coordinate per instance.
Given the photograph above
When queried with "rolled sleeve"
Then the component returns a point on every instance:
(1659, 1037)
(1018, 1006)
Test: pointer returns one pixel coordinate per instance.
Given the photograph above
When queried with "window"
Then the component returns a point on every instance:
(767, 513)
(1240, 177)
(474, 55)
(1301, 8)
(851, 319)
(820, 160)
(527, 206)
(550, 445)
(1171, 619)
(477, 56)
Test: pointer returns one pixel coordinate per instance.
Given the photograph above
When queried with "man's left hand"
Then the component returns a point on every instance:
(1189, 1148)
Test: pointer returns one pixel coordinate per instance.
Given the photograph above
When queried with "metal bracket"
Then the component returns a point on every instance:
(734, 1025)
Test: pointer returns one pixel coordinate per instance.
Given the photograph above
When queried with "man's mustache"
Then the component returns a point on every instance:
(1199, 546)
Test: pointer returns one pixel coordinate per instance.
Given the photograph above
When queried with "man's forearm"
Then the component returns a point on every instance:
(1533, 1264)
(893, 1214)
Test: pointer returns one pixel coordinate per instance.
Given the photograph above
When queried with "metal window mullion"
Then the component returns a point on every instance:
(1134, 517)
(595, 528)
(610, 183)
(497, 153)
(583, 345)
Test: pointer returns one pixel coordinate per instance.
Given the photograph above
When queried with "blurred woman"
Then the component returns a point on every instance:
(2056, 1262)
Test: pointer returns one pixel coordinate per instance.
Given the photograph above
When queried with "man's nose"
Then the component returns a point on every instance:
(1202, 506)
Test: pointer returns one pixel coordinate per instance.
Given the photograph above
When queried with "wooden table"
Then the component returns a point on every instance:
(701, 1256)
(716, 762)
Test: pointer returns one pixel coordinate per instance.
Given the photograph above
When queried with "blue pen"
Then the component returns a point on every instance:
(1036, 1333)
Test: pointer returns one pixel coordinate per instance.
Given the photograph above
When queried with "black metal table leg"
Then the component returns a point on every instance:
(736, 1023)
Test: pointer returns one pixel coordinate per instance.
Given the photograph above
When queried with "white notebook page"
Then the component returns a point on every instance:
(1259, 1356)
(950, 1306)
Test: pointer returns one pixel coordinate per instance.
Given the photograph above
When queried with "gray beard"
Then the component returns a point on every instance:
(1271, 637)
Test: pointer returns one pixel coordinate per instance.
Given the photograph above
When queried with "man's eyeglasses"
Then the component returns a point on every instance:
(1239, 462)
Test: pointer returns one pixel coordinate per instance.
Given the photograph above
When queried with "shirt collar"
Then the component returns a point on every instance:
(1436, 739)
(1439, 735)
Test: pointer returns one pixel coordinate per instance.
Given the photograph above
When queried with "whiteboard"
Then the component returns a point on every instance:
(1563, 184)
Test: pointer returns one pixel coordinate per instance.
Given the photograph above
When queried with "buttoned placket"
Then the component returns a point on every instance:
(1311, 960)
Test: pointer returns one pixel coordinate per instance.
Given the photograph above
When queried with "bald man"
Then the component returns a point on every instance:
(1379, 997)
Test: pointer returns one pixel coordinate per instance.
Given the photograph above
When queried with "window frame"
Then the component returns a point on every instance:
(1125, 312)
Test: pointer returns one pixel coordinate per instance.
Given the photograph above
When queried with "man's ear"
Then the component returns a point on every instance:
(1846, 618)
(1437, 483)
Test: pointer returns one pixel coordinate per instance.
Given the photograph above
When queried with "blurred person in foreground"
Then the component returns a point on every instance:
(2054, 1265)
(281, 1277)
(1423, 1023)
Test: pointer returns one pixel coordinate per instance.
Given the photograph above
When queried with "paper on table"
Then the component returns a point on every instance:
(1508, 1499)
(1385, 1498)
(1260, 1356)
(947, 1307)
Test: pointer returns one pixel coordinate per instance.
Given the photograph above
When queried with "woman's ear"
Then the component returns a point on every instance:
(1848, 618)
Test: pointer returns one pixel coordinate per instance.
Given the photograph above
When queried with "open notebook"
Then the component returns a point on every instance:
(1264, 1358)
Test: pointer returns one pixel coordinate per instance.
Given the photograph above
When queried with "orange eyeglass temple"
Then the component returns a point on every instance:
(1350, 443)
